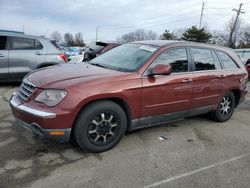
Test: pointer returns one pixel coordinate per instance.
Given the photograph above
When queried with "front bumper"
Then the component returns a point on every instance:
(34, 120)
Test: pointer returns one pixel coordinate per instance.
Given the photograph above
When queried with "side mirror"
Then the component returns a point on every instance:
(160, 69)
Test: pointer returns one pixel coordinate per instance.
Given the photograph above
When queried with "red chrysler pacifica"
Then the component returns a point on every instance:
(132, 86)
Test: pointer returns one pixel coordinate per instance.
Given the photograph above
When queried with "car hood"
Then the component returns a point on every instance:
(68, 74)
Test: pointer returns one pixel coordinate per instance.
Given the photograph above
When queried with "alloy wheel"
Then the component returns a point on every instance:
(226, 106)
(103, 128)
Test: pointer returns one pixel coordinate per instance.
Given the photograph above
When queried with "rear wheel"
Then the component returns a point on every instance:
(100, 126)
(225, 108)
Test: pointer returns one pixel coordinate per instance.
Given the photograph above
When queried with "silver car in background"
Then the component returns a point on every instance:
(20, 54)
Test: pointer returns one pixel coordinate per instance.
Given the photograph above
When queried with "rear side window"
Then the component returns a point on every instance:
(55, 44)
(203, 59)
(216, 60)
(227, 61)
(3, 42)
(19, 43)
(176, 58)
(38, 45)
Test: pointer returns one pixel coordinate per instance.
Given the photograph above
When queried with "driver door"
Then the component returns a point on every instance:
(167, 97)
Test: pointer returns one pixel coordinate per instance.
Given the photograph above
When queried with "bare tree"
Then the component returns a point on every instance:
(244, 37)
(168, 35)
(56, 35)
(69, 39)
(137, 35)
(219, 38)
(79, 40)
(151, 35)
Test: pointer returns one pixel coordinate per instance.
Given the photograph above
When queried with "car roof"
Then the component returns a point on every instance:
(162, 43)
(157, 42)
(16, 34)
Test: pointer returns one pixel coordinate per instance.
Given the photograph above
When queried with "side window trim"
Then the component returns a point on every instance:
(8, 43)
(215, 54)
(165, 51)
(191, 59)
(221, 62)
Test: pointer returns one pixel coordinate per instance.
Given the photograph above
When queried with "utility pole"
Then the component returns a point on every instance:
(96, 35)
(202, 9)
(230, 42)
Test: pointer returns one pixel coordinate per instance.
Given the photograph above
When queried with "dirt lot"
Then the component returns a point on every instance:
(197, 152)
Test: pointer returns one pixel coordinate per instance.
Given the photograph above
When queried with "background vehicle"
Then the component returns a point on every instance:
(97, 49)
(132, 86)
(20, 54)
(77, 57)
(244, 54)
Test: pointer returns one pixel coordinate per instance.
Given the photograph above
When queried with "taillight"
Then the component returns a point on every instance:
(63, 57)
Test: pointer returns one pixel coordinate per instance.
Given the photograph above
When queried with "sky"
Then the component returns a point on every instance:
(115, 17)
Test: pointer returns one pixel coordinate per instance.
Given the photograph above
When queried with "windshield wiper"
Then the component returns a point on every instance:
(99, 65)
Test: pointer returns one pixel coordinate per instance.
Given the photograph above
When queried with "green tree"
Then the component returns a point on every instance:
(197, 35)
(167, 35)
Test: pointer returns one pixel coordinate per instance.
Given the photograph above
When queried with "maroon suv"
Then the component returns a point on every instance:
(132, 86)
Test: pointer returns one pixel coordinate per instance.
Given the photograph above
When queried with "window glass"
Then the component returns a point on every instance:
(176, 58)
(203, 59)
(3, 41)
(38, 45)
(127, 57)
(58, 47)
(227, 61)
(216, 60)
(23, 43)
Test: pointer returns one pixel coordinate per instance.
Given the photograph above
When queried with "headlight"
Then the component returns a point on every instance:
(51, 97)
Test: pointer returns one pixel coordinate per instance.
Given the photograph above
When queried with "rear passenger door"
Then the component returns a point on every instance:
(24, 55)
(208, 81)
(232, 72)
(4, 58)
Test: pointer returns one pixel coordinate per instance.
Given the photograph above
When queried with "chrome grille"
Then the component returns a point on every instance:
(26, 89)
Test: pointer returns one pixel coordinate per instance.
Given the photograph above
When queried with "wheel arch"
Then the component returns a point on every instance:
(118, 100)
(237, 94)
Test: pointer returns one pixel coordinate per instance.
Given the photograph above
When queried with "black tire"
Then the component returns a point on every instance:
(100, 126)
(225, 108)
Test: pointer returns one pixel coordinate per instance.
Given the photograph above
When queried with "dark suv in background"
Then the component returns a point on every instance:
(97, 49)
(20, 54)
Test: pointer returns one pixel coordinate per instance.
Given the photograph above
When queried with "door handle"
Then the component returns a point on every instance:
(38, 53)
(1, 55)
(222, 76)
(187, 80)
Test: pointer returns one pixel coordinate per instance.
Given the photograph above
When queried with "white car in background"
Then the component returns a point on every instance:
(76, 58)
(243, 53)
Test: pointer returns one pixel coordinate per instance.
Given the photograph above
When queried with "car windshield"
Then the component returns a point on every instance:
(127, 57)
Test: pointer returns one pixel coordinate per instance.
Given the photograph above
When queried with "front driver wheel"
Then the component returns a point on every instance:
(225, 108)
(100, 126)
